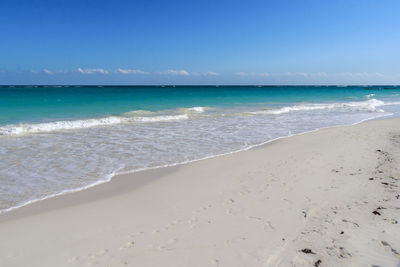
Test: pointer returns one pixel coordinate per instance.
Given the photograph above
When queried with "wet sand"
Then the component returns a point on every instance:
(326, 198)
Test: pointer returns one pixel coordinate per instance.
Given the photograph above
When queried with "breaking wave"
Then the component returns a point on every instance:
(145, 116)
(371, 105)
(79, 124)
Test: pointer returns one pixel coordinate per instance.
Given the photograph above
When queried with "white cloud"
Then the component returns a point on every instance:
(129, 71)
(175, 72)
(241, 73)
(210, 73)
(258, 77)
(207, 73)
(64, 71)
(92, 71)
(267, 74)
(49, 72)
(186, 73)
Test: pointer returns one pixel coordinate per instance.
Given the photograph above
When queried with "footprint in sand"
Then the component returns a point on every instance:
(214, 262)
(386, 244)
(127, 245)
(229, 242)
(263, 188)
(201, 209)
(268, 226)
(74, 259)
(166, 227)
(193, 219)
(200, 224)
(98, 254)
(287, 200)
(255, 218)
(176, 222)
(233, 211)
(101, 253)
(229, 201)
(310, 211)
(244, 191)
(135, 234)
(168, 244)
(354, 223)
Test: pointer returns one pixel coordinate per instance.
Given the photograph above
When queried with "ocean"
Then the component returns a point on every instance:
(59, 139)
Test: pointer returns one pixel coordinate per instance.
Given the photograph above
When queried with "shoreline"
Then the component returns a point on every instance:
(258, 207)
(112, 176)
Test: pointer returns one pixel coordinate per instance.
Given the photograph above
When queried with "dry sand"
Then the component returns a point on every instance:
(327, 198)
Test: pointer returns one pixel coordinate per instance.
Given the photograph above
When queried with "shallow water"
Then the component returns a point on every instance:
(55, 140)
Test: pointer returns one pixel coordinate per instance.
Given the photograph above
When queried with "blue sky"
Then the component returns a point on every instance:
(200, 42)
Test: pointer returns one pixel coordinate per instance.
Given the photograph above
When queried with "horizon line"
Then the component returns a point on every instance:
(196, 85)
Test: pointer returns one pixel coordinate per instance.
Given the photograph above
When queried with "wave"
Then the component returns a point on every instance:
(183, 111)
(79, 124)
(193, 110)
(145, 116)
(369, 96)
(127, 117)
(369, 106)
(137, 113)
(108, 178)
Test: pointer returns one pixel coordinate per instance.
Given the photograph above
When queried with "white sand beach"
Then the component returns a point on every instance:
(326, 198)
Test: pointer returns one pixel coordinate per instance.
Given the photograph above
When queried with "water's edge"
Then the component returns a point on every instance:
(116, 173)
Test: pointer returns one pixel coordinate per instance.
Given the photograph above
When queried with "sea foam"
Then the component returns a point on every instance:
(81, 153)
(369, 105)
(144, 116)
(127, 117)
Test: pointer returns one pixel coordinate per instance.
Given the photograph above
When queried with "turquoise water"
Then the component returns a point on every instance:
(37, 104)
(55, 140)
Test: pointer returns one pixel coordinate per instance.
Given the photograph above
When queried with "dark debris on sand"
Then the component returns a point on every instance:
(307, 251)
(375, 212)
(317, 263)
